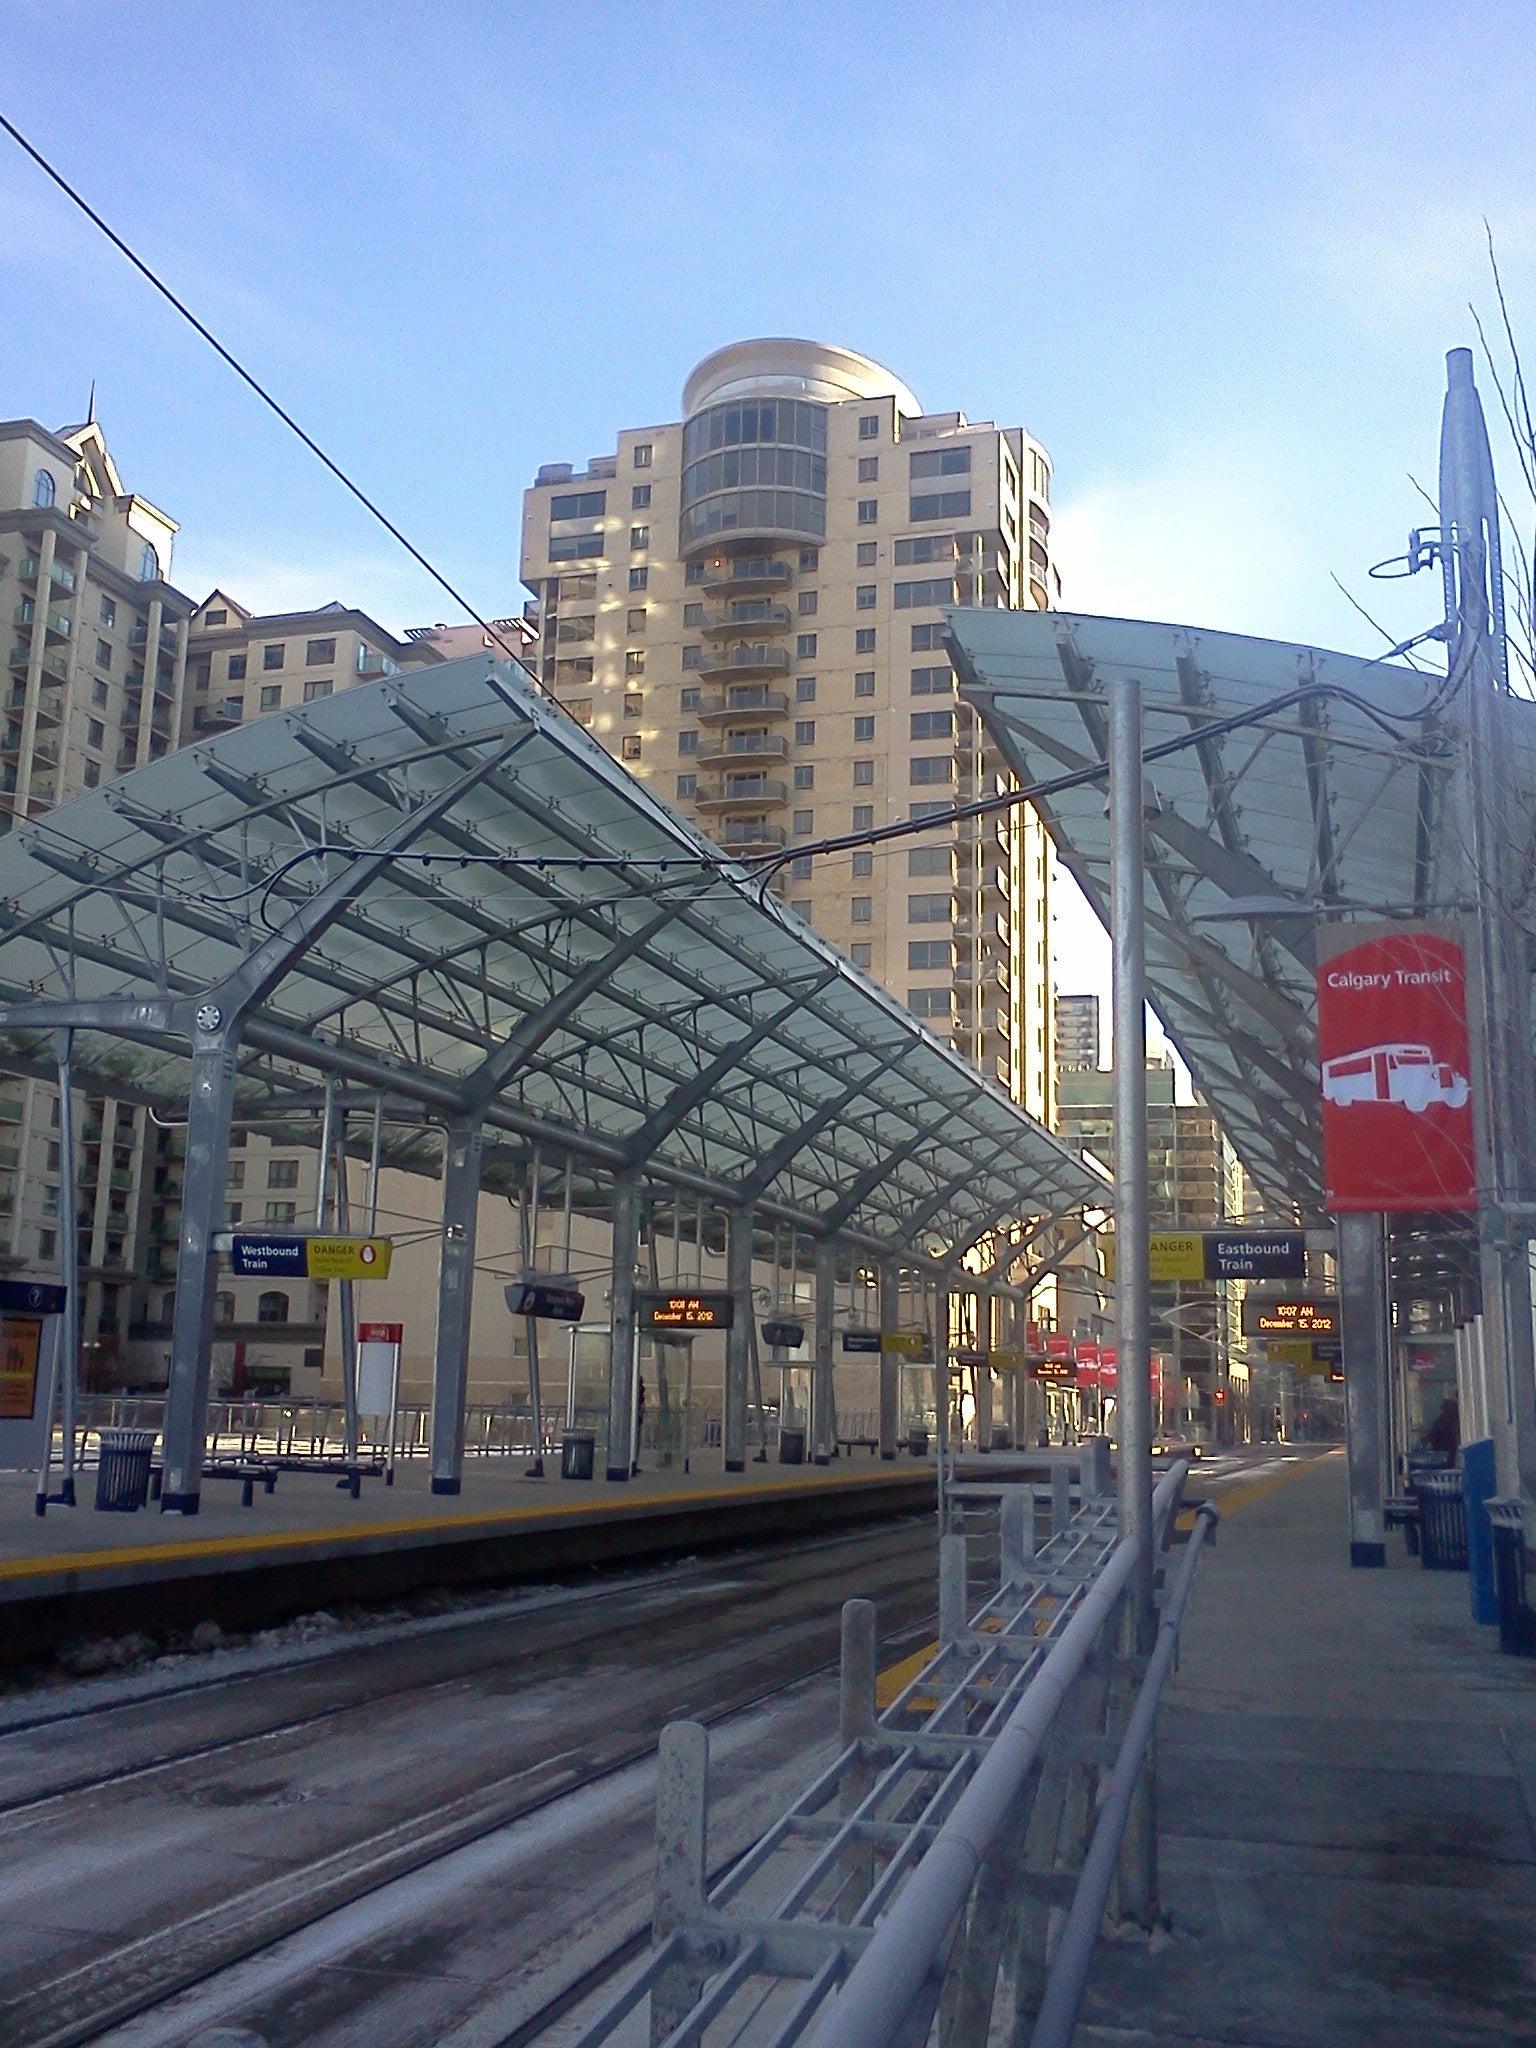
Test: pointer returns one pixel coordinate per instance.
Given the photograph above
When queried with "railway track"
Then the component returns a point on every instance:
(276, 1805)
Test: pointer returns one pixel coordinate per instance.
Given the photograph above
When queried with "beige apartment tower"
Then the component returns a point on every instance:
(747, 608)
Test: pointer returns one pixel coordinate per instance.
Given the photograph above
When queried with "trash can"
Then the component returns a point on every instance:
(1442, 1521)
(578, 1448)
(791, 1446)
(122, 1472)
(1517, 1624)
(917, 1443)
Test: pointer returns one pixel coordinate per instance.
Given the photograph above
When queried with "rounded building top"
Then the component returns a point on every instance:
(779, 367)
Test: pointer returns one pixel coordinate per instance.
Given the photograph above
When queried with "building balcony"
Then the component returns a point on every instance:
(746, 703)
(746, 573)
(57, 625)
(733, 792)
(751, 835)
(60, 577)
(48, 708)
(749, 615)
(53, 669)
(211, 718)
(743, 749)
(39, 795)
(759, 660)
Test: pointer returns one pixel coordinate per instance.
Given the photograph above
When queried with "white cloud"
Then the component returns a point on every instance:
(387, 586)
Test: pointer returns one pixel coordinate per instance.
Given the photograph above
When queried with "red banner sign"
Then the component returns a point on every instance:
(1396, 1071)
(380, 1333)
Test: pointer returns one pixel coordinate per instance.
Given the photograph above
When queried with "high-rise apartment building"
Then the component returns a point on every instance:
(1077, 1033)
(746, 606)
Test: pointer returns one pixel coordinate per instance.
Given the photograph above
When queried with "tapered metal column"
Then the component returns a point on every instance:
(1133, 1310)
(623, 1334)
(210, 1102)
(68, 1372)
(984, 1370)
(738, 1339)
(455, 1301)
(822, 1409)
(1366, 1333)
(890, 1361)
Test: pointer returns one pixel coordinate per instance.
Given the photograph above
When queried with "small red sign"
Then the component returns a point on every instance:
(1396, 1072)
(380, 1333)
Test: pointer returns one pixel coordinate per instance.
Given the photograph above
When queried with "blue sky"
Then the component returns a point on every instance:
(1211, 254)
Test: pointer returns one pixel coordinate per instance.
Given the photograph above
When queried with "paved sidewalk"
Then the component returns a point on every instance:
(1348, 1782)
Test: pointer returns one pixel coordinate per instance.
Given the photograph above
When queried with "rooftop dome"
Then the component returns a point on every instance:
(778, 367)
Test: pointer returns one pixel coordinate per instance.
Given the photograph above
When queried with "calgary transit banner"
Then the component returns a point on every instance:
(1396, 1069)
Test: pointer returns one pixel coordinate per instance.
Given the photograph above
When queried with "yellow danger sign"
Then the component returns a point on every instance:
(349, 1258)
(905, 1343)
(1171, 1255)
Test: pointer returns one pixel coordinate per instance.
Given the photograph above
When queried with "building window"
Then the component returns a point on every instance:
(237, 668)
(273, 1306)
(693, 615)
(629, 747)
(688, 741)
(92, 774)
(634, 703)
(108, 613)
(861, 953)
(930, 860)
(929, 810)
(281, 1212)
(282, 1173)
(925, 638)
(932, 725)
(931, 953)
(805, 689)
(575, 547)
(864, 597)
(639, 497)
(236, 1174)
(810, 559)
(271, 696)
(103, 653)
(866, 552)
(863, 866)
(642, 455)
(869, 426)
(639, 578)
(927, 590)
(689, 701)
(931, 1002)
(869, 511)
(149, 564)
(805, 732)
(869, 469)
(930, 909)
(800, 868)
(808, 604)
(940, 505)
(932, 768)
(217, 617)
(99, 690)
(272, 657)
(44, 489)
(316, 688)
(940, 461)
(687, 784)
(805, 647)
(95, 732)
(864, 730)
(318, 653)
(805, 775)
(863, 817)
(804, 821)
(864, 682)
(864, 640)
(862, 909)
(863, 774)
(579, 505)
(933, 682)
(639, 536)
(692, 657)
(634, 662)
(636, 618)
(693, 572)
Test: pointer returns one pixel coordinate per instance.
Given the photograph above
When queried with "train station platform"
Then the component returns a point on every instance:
(78, 1572)
(1347, 1774)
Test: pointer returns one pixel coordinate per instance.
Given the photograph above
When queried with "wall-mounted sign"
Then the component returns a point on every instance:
(543, 1299)
(908, 1344)
(21, 1339)
(1290, 1318)
(1005, 1356)
(1193, 1256)
(783, 1333)
(861, 1340)
(310, 1257)
(1396, 1063)
(680, 1311)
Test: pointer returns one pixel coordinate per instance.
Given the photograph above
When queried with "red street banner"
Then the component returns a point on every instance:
(1086, 1358)
(1396, 1067)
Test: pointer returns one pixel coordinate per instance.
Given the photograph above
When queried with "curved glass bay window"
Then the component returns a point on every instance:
(755, 468)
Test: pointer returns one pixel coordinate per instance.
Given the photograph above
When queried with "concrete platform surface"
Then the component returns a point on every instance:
(1347, 1784)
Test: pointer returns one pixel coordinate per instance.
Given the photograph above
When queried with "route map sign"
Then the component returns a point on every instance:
(686, 1311)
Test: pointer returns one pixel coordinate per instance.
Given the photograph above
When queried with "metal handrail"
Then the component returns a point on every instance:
(1068, 1978)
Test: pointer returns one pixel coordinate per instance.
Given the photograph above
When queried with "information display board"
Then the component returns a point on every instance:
(1288, 1317)
(543, 1299)
(686, 1311)
(29, 1342)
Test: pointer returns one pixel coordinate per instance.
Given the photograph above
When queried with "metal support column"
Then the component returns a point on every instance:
(890, 1361)
(455, 1300)
(211, 1100)
(738, 1339)
(622, 1354)
(67, 1373)
(1366, 1333)
(984, 1370)
(1133, 1312)
(823, 1414)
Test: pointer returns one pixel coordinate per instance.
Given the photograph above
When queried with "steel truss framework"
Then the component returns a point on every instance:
(220, 929)
(1315, 805)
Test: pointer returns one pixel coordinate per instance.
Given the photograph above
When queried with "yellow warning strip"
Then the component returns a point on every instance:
(510, 1520)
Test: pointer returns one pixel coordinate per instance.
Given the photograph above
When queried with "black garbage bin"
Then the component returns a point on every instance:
(1442, 1521)
(122, 1473)
(1517, 1623)
(578, 1449)
(917, 1442)
(791, 1446)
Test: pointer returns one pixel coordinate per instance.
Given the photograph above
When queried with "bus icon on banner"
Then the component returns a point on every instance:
(1408, 1075)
